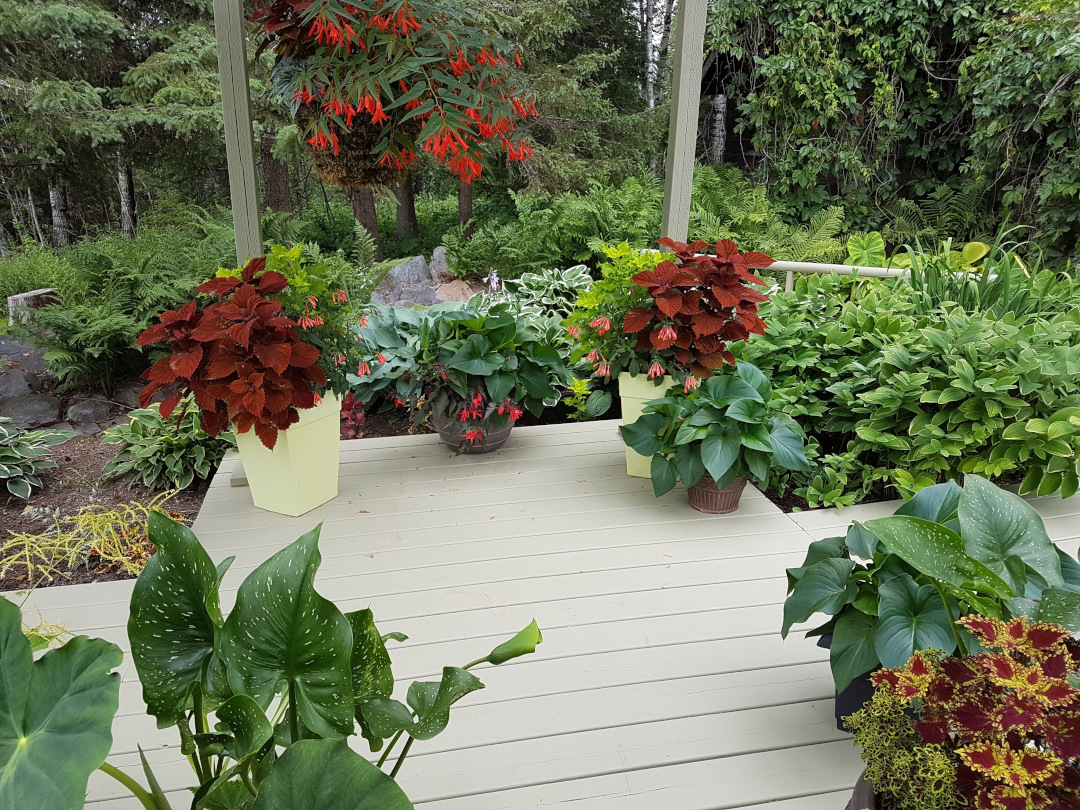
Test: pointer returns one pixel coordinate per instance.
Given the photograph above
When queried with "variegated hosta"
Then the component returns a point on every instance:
(1009, 715)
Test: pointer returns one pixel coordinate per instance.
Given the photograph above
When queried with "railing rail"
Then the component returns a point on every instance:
(791, 268)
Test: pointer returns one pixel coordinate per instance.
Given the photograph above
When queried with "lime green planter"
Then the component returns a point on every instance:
(301, 472)
(634, 392)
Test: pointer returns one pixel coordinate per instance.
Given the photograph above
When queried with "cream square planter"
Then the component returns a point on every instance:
(634, 392)
(301, 472)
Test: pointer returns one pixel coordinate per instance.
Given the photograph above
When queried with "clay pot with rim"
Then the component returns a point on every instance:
(704, 496)
(452, 433)
(863, 797)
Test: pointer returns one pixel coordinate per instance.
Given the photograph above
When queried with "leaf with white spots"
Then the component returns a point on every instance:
(283, 635)
(174, 618)
(431, 702)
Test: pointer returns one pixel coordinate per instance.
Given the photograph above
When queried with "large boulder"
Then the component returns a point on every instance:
(31, 411)
(456, 290)
(23, 354)
(89, 410)
(413, 271)
(422, 294)
(17, 383)
(440, 266)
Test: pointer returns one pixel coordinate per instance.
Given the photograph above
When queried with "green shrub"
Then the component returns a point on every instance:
(166, 453)
(36, 268)
(895, 399)
(24, 454)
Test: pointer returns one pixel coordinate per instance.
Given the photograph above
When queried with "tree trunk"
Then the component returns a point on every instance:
(275, 177)
(662, 50)
(363, 206)
(407, 224)
(5, 249)
(35, 223)
(126, 185)
(719, 128)
(464, 207)
(61, 230)
(650, 60)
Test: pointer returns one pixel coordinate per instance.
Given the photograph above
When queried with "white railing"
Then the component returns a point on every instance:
(791, 268)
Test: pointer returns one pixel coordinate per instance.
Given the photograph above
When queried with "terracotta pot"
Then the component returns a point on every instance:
(452, 433)
(705, 497)
(863, 797)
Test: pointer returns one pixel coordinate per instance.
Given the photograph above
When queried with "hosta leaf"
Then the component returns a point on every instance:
(56, 716)
(174, 618)
(910, 618)
(328, 775)
(283, 635)
(788, 450)
(720, 449)
(997, 526)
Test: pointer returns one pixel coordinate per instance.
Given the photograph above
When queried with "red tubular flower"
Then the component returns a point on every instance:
(474, 436)
(382, 358)
(516, 413)
(573, 331)
(656, 371)
(692, 384)
(601, 324)
(364, 369)
(477, 400)
(603, 370)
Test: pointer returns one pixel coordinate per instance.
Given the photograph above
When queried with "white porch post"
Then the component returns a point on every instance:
(682, 129)
(229, 27)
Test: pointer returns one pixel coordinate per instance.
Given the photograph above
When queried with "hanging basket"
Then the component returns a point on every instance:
(705, 497)
(356, 164)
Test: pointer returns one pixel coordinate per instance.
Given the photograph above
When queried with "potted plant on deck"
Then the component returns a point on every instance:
(995, 729)
(896, 585)
(472, 375)
(714, 437)
(671, 322)
(254, 356)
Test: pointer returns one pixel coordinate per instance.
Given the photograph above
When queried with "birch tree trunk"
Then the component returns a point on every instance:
(464, 207)
(718, 141)
(35, 223)
(363, 205)
(5, 248)
(662, 49)
(61, 231)
(407, 224)
(126, 185)
(278, 196)
(650, 55)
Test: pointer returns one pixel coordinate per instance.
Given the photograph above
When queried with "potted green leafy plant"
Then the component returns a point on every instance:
(997, 729)
(472, 374)
(672, 319)
(269, 361)
(264, 699)
(897, 585)
(713, 438)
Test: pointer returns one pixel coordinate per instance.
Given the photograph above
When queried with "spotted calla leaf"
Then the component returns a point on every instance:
(174, 618)
(429, 700)
(282, 635)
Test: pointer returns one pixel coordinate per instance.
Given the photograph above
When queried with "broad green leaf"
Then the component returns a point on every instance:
(722, 390)
(867, 251)
(744, 410)
(430, 701)
(372, 676)
(758, 381)
(56, 716)
(911, 618)
(825, 587)
(720, 449)
(643, 436)
(597, 404)
(247, 724)
(861, 542)
(1059, 607)
(830, 547)
(328, 775)
(689, 465)
(499, 385)
(937, 503)
(523, 643)
(664, 475)
(474, 357)
(997, 525)
(852, 650)
(174, 619)
(936, 552)
(226, 792)
(284, 635)
(788, 450)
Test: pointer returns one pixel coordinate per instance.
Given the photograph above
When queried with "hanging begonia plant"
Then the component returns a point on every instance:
(394, 78)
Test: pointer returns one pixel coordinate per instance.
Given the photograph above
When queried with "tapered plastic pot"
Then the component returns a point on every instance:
(855, 695)
(452, 433)
(704, 496)
(301, 472)
(634, 392)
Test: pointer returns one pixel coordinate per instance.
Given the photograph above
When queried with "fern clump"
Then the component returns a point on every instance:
(906, 772)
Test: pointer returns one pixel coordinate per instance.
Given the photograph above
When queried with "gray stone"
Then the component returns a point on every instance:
(454, 291)
(31, 411)
(128, 396)
(17, 383)
(440, 266)
(89, 410)
(413, 271)
(24, 354)
(422, 294)
(87, 429)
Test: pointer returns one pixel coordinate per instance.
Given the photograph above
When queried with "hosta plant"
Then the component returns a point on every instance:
(1006, 719)
(263, 699)
(698, 303)
(476, 371)
(727, 428)
(241, 357)
(24, 454)
(163, 453)
(897, 585)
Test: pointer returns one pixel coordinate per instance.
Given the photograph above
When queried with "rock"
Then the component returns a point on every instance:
(422, 294)
(17, 383)
(454, 291)
(413, 271)
(89, 410)
(79, 430)
(440, 266)
(128, 396)
(31, 411)
(23, 354)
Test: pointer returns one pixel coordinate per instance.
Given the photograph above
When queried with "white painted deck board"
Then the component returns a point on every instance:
(662, 681)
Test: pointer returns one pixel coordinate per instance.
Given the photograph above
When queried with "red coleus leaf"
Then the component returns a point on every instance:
(253, 268)
(213, 422)
(218, 287)
(1063, 735)
(713, 361)
(154, 334)
(304, 355)
(267, 434)
(275, 355)
(637, 318)
(755, 259)
(168, 405)
(726, 298)
(725, 248)
(161, 372)
(184, 364)
(706, 324)
(271, 283)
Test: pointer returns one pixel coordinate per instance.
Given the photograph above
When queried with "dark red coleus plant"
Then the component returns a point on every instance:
(699, 303)
(240, 357)
(1009, 715)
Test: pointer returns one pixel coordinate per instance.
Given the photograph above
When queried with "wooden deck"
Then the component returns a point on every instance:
(662, 681)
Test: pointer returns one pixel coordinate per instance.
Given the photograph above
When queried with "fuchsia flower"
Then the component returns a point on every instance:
(474, 436)
(692, 384)
(601, 324)
(364, 369)
(656, 371)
